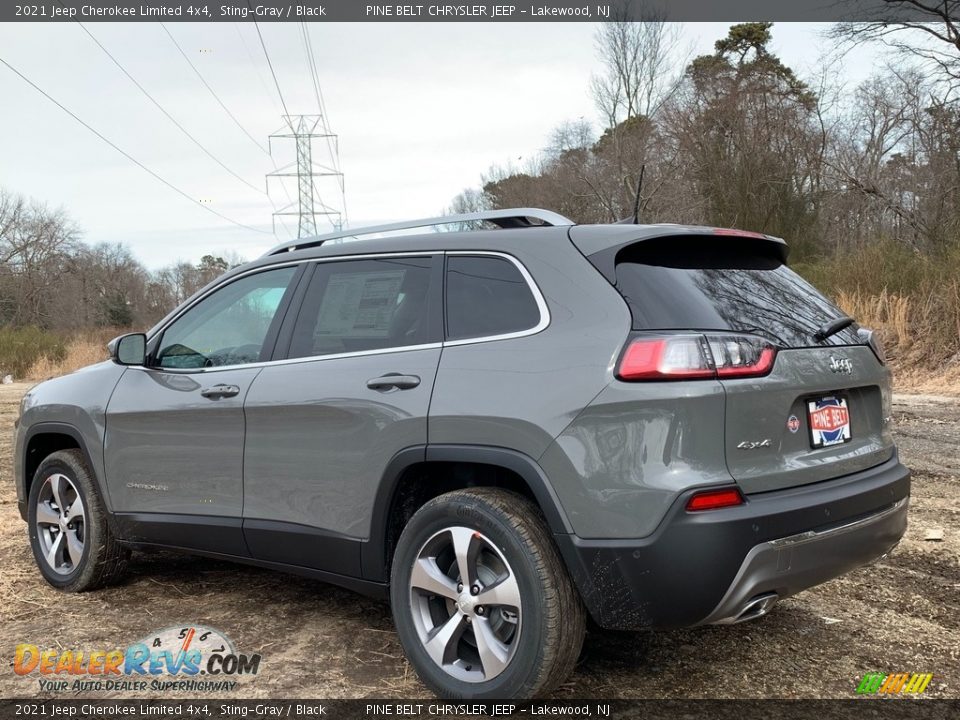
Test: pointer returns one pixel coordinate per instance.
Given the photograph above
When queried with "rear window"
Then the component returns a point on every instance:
(714, 283)
(487, 297)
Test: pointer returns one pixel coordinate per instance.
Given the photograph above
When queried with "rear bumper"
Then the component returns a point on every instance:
(706, 567)
(785, 566)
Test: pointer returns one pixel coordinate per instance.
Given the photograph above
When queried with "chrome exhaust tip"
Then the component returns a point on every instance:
(757, 607)
(752, 609)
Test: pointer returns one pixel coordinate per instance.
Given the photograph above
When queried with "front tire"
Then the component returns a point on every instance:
(71, 540)
(482, 602)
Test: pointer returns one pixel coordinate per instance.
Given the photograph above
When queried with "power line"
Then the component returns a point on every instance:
(125, 153)
(286, 112)
(207, 86)
(303, 132)
(256, 69)
(333, 148)
(167, 114)
(312, 66)
(270, 64)
(266, 90)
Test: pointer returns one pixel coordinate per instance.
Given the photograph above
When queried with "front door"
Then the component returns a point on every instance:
(354, 391)
(175, 427)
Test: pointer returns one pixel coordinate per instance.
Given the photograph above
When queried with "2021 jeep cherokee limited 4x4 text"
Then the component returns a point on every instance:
(503, 430)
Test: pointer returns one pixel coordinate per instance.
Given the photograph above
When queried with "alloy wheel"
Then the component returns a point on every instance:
(61, 524)
(466, 604)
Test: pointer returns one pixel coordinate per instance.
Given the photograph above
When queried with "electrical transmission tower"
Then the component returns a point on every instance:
(310, 175)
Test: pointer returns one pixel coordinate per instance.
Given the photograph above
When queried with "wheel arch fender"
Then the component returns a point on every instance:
(61, 430)
(375, 556)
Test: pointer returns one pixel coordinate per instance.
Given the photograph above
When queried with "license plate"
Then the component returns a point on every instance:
(829, 421)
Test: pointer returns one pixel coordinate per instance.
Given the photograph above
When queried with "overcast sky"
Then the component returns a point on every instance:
(421, 110)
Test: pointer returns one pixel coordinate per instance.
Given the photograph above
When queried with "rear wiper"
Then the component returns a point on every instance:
(832, 327)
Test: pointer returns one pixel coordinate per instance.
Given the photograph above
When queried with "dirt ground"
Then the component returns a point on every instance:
(900, 615)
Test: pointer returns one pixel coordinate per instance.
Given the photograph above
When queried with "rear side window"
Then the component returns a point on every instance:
(714, 283)
(359, 305)
(487, 296)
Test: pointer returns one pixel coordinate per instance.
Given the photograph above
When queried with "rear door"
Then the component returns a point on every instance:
(819, 413)
(361, 358)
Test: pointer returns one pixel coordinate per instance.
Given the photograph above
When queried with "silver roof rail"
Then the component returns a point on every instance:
(510, 218)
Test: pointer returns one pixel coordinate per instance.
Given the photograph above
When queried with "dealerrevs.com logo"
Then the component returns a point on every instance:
(192, 658)
(894, 683)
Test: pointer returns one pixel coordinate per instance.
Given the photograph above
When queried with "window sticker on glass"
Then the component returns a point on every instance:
(359, 305)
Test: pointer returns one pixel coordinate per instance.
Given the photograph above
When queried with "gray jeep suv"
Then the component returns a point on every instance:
(505, 431)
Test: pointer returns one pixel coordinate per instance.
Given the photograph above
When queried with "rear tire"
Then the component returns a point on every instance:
(515, 628)
(67, 522)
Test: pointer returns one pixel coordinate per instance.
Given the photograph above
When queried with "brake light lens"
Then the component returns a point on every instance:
(692, 357)
(734, 232)
(714, 499)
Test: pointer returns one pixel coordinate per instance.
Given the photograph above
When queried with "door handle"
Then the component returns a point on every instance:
(393, 381)
(220, 391)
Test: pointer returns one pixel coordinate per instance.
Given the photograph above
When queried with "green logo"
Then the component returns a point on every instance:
(890, 683)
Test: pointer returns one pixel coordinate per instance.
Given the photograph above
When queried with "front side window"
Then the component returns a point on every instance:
(487, 296)
(228, 327)
(363, 305)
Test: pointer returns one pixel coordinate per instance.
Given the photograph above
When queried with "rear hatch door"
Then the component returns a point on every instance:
(804, 422)
(822, 410)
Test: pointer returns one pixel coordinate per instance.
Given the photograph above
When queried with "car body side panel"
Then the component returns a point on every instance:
(621, 464)
(319, 440)
(169, 449)
(520, 393)
(617, 454)
(78, 400)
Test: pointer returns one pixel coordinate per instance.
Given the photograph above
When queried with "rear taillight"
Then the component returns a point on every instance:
(692, 357)
(679, 356)
(741, 355)
(714, 499)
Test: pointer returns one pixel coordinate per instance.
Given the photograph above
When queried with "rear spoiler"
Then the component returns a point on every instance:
(602, 243)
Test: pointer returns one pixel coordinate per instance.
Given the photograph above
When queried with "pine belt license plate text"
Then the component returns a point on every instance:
(829, 419)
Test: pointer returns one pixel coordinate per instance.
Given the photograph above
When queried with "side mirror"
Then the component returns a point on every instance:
(129, 349)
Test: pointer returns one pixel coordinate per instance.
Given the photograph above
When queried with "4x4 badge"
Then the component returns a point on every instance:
(754, 444)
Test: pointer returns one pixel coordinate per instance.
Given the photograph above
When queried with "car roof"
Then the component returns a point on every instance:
(516, 235)
(589, 239)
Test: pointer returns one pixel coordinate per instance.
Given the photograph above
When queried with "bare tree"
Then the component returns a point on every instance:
(638, 61)
(877, 128)
(12, 211)
(469, 201)
(569, 136)
(34, 244)
(926, 30)
(48, 278)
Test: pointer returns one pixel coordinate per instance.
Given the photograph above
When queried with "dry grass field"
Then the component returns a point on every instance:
(902, 614)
